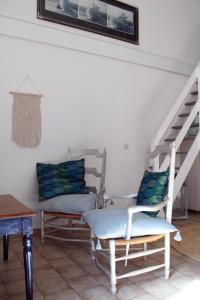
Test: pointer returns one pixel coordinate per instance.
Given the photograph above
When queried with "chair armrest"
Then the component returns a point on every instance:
(135, 209)
(140, 208)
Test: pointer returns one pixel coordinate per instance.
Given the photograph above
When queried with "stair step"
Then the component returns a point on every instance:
(194, 93)
(178, 152)
(184, 115)
(180, 126)
(169, 139)
(181, 152)
(172, 139)
(176, 168)
(190, 103)
(189, 137)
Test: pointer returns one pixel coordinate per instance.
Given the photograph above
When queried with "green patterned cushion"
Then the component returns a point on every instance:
(60, 179)
(153, 189)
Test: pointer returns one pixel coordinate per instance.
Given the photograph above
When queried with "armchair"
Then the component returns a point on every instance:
(136, 225)
(69, 207)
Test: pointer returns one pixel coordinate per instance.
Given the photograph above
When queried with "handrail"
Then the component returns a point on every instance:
(164, 129)
(192, 153)
(186, 165)
(187, 125)
(175, 109)
(183, 132)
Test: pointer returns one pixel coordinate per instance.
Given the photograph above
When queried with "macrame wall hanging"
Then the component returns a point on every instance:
(26, 116)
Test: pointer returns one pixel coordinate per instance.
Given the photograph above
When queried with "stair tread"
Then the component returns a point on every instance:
(176, 168)
(150, 168)
(194, 93)
(180, 126)
(170, 139)
(181, 152)
(185, 138)
(190, 103)
(184, 115)
(178, 152)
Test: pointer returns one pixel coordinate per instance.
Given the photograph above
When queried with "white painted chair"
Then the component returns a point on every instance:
(56, 211)
(130, 227)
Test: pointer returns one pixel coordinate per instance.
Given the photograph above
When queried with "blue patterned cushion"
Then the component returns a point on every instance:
(60, 179)
(153, 189)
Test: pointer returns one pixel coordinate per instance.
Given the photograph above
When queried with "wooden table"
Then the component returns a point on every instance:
(16, 218)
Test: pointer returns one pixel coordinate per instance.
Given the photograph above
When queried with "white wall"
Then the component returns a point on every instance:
(98, 91)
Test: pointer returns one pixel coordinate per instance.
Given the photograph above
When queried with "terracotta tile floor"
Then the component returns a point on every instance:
(65, 271)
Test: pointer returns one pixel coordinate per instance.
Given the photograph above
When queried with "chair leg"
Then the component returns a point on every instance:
(70, 225)
(145, 248)
(167, 255)
(112, 267)
(92, 245)
(42, 226)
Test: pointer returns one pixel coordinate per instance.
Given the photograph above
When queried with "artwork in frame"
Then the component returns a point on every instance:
(107, 17)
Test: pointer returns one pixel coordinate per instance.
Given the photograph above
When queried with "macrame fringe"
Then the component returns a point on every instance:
(82, 221)
(178, 237)
(26, 120)
(98, 245)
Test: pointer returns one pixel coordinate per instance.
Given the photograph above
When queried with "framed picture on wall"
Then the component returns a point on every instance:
(107, 17)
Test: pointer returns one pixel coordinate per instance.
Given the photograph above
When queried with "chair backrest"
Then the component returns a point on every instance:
(95, 165)
(159, 153)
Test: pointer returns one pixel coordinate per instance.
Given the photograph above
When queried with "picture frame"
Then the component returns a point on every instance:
(106, 17)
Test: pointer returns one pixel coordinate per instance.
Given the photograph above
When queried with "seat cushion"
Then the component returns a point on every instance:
(72, 204)
(153, 189)
(112, 223)
(61, 179)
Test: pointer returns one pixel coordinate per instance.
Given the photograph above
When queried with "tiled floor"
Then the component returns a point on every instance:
(65, 271)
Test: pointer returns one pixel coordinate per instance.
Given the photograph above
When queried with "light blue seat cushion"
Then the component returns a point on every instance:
(72, 203)
(112, 223)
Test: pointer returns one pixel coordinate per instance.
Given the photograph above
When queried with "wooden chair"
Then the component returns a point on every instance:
(119, 227)
(58, 211)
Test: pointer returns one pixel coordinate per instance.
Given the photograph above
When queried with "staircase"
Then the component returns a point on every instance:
(181, 124)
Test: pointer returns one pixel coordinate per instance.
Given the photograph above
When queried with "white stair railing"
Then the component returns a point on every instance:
(175, 109)
(186, 165)
(182, 133)
(168, 122)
